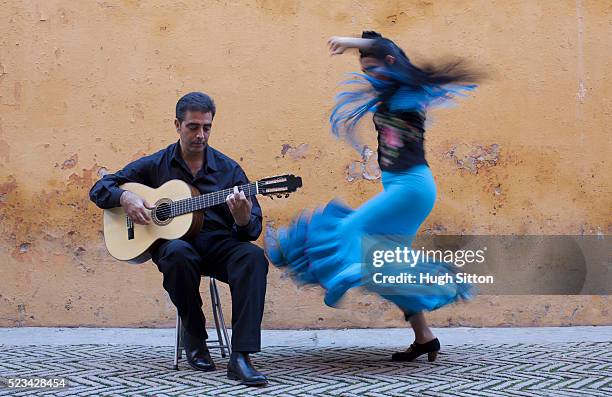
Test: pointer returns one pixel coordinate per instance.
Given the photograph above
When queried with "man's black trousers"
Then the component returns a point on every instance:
(242, 265)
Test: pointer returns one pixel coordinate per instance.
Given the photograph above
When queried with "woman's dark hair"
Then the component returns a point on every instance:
(405, 86)
(441, 72)
(195, 102)
(377, 50)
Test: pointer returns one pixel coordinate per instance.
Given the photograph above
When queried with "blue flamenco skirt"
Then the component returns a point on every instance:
(333, 246)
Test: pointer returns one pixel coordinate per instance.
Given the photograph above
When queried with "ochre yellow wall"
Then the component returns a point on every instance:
(90, 85)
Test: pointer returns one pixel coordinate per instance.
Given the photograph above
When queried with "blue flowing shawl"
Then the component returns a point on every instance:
(404, 87)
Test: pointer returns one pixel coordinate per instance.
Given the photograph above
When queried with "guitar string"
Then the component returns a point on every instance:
(208, 199)
(176, 208)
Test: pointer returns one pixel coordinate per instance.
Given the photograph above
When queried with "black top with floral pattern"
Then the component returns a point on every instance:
(401, 137)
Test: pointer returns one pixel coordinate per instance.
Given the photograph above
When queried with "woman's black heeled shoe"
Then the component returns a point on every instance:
(415, 350)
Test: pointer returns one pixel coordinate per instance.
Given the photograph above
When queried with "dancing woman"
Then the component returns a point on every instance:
(325, 247)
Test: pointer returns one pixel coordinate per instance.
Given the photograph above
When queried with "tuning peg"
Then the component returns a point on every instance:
(286, 195)
(279, 196)
(271, 197)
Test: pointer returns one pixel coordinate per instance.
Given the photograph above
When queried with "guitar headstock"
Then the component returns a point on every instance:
(279, 186)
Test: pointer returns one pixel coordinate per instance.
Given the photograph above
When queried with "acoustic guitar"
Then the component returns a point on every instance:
(178, 212)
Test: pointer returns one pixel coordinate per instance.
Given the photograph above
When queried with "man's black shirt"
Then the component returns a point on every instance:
(218, 172)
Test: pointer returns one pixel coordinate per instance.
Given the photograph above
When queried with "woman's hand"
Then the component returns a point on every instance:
(338, 44)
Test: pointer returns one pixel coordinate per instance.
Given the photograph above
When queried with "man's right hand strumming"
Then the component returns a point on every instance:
(136, 208)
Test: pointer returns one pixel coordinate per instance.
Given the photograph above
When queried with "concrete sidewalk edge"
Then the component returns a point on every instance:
(379, 337)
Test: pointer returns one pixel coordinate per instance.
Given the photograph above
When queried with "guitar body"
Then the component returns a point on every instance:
(178, 212)
(134, 246)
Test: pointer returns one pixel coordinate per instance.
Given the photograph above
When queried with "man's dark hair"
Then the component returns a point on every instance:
(195, 102)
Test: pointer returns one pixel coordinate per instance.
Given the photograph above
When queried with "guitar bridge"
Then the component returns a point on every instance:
(130, 228)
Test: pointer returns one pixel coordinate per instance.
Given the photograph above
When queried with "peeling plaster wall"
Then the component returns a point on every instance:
(86, 87)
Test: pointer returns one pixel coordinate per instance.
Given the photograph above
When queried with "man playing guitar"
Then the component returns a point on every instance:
(222, 248)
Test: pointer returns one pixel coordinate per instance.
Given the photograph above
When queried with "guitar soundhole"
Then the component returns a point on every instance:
(162, 214)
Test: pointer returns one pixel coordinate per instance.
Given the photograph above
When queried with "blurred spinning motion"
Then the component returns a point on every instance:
(325, 247)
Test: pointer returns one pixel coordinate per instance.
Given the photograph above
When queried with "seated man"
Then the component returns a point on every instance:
(222, 248)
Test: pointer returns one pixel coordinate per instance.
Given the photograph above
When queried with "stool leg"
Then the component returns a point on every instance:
(214, 299)
(228, 343)
(177, 344)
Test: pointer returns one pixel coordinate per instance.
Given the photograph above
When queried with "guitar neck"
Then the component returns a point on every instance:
(207, 200)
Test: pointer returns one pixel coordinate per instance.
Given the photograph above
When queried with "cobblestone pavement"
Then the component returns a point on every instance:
(557, 369)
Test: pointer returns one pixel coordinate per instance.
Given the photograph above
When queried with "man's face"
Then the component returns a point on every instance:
(194, 131)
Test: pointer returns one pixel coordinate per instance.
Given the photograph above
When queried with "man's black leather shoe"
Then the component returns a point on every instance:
(240, 368)
(197, 353)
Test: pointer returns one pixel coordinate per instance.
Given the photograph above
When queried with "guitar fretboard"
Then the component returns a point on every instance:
(207, 200)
